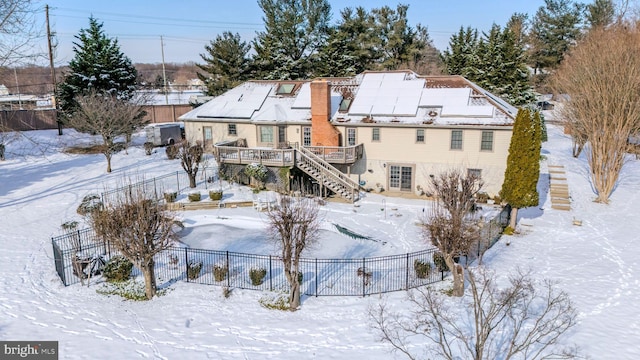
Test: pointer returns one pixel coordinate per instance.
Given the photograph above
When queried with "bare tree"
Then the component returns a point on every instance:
(108, 117)
(525, 320)
(294, 225)
(450, 226)
(601, 75)
(138, 227)
(18, 31)
(190, 157)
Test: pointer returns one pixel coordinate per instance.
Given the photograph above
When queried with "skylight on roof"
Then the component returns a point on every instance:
(285, 89)
(344, 105)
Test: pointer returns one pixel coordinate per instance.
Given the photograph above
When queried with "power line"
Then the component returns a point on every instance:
(162, 18)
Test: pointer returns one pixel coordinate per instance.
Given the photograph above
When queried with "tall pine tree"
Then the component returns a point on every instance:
(523, 163)
(98, 66)
(555, 27)
(294, 31)
(461, 58)
(601, 13)
(226, 63)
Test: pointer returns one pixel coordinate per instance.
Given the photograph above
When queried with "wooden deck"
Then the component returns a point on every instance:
(286, 157)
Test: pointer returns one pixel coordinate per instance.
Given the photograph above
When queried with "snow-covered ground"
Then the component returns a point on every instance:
(40, 188)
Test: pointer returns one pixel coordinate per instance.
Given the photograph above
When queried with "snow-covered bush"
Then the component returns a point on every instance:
(170, 196)
(256, 171)
(257, 276)
(194, 196)
(220, 272)
(422, 268)
(118, 269)
(193, 269)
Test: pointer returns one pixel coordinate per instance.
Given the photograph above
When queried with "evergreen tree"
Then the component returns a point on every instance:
(556, 26)
(496, 62)
(226, 63)
(523, 163)
(338, 56)
(397, 41)
(294, 31)
(461, 57)
(98, 66)
(600, 13)
(378, 40)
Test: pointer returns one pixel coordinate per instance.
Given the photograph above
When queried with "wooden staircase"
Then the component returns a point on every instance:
(326, 174)
(558, 188)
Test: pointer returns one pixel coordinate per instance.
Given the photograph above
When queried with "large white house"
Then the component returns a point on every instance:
(378, 130)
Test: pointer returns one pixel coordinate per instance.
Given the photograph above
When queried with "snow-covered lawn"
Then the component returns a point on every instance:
(596, 263)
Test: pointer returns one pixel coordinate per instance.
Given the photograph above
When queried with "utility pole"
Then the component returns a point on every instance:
(164, 73)
(15, 74)
(53, 70)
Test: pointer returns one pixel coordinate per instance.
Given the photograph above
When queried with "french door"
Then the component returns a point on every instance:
(400, 178)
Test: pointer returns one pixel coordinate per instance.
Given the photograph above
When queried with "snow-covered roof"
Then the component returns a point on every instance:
(382, 97)
(155, 97)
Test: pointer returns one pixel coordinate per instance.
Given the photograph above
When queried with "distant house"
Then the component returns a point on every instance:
(388, 131)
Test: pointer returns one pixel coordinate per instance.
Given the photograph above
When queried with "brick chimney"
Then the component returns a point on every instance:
(323, 133)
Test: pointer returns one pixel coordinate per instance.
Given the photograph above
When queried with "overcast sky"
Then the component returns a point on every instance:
(188, 25)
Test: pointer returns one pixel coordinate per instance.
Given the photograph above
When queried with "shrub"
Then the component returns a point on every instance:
(148, 148)
(172, 152)
(422, 268)
(170, 196)
(497, 199)
(193, 269)
(130, 290)
(256, 171)
(118, 269)
(366, 273)
(194, 197)
(438, 261)
(2, 152)
(482, 197)
(215, 195)
(89, 204)
(275, 302)
(257, 276)
(508, 231)
(220, 272)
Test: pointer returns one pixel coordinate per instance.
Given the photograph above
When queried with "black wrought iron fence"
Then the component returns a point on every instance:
(177, 182)
(319, 277)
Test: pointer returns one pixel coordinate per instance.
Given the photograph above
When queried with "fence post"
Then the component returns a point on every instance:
(178, 182)
(79, 241)
(316, 277)
(155, 189)
(228, 271)
(186, 263)
(270, 275)
(364, 276)
(407, 276)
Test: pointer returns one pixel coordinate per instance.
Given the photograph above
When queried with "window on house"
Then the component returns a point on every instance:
(487, 141)
(282, 134)
(475, 172)
(344, 105)
(375, 134)
(232, 130)
(285, 89)
(266, 134)
(420, 135)
(456, 139)
(306, 136)
(351, 137)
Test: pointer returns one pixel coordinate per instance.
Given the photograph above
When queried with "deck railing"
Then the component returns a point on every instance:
(231, 153)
